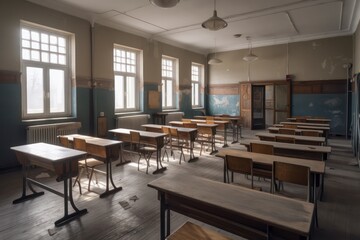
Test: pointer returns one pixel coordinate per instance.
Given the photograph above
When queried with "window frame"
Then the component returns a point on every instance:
(200, 83)
(137, 78)
(46, 67)
(173, 79)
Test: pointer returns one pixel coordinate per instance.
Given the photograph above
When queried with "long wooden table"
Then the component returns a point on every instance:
(309, 120)
(306, 124)
(106, 150)
(316, 167)
(235, 123)
(202, 127)
(245, 212)
(153, 138)
(298, 131)
(294, 150)
(307, 139)
(63, 161)
(187, 134)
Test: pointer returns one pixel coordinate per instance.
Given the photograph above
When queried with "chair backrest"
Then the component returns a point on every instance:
(292, 173)
(239, 164)
(210, 118)
(134, 137)
(186, 120)
(307, 142)
(289, 126)
(284, 139)
(210, 121)
(79, 144)
(174, 132)
(262, 148)
(190, 125)
(267, 138)
(64, 141)
(287, 131)
(165, 129)
(310, 133)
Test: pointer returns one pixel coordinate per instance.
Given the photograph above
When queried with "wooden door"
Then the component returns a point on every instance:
(258, 107)
(245, 104)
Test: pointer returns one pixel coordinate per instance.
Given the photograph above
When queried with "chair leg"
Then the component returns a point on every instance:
(91, 174)
(78, 177)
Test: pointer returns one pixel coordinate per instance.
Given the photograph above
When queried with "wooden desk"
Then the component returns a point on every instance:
(309, 120)
(325, 130)
(307, 124)
(202, 127)
(106, 150)
(235, 123)
(310, 140)
(188, 134)
(63, 161)
(221, 126)
(242, 211)
(298, 131)
(316, 167)
(295, 150)
(155, 139)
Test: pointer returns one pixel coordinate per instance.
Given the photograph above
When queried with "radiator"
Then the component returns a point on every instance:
(174, 116)
(133, 121)
(48, 132)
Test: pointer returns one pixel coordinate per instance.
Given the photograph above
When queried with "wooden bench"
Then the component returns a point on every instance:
(192, 231)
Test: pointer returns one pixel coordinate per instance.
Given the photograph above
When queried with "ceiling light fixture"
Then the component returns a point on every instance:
(214, 23)
(250, 57)
(214, 60)
(164, 3)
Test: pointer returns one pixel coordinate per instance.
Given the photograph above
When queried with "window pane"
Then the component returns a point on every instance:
(163, 94)
(53, 39)
(192, 93)
(25, 34)
(53, 58)
(169, 94)
(26, 54)
(119, 92)
(62, 42)
(35, 36)
(62, 59)
(196, 94)
(45, 57)
(57, 91)
(130, 92)
(45, 47)
(44, 38)
(35, 55)
(34, 90)
(26, 43)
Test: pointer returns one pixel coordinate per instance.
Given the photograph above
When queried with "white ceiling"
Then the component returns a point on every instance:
(267, 22)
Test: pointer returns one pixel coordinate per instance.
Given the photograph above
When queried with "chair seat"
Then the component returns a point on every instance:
(91, 162)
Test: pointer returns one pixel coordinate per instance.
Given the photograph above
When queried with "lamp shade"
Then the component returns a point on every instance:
(214, 61)
(250, 57)
(214, 23)
(164, 3)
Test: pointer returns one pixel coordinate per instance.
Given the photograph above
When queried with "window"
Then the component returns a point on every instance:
(127, 78)
(169, 80)
(197, 79)
(46, 68)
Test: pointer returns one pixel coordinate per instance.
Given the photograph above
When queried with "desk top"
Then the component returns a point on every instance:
(49, 152)
(306, 127)
(218, 117)
(94, 140)
(298, 137)
(307, 124)
(314, 165)
(198, 124)
(291, 146)
(204, 121)
(180, 129)
(142, 133)
(285, 213)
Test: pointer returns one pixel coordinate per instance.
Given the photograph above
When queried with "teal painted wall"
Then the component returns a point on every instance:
(332, 106)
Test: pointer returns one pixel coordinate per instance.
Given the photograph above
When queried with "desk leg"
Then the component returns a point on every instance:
(68, 197)
(225, 171)
(213, 147)
(225, 137)
(158, 162)
(192, 155)
(235, 133)
(109, 178)
(25, 197)
(162, 216)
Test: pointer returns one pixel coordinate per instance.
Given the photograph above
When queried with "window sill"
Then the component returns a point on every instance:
(128, 113)
(170, 110)
(198, 108)
(47, 119)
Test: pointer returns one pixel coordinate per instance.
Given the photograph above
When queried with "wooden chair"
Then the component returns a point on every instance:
(64, 141)
(88, 163)
(186, 120)
(143, 149)
(177, 142)
(205, 135)
(261, 170)
(289, 126)
(267, 138)
(287, 131)
(239, 165)
(167, 142)
(295, 174)
(284, 139)
(191, 231)
(190, 125)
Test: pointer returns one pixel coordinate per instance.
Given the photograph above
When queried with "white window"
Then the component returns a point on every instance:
(46, 71)
(197, 79)
(127, 78)
(169, 82)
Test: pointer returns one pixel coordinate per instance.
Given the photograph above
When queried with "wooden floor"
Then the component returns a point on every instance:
(339, 213)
